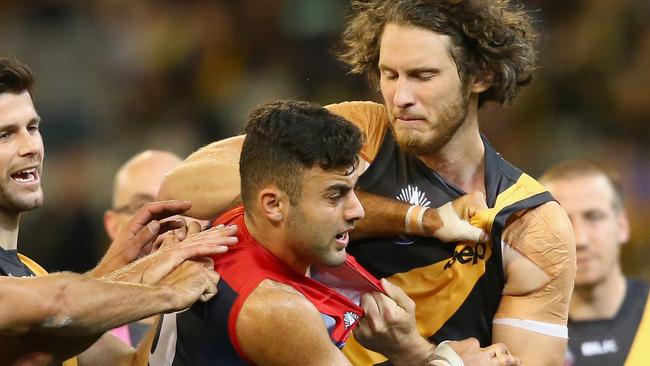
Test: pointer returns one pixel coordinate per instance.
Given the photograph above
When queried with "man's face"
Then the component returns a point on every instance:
(21, 154)
(421, 88)
(600, 228)
(137, 185)
(327, 210)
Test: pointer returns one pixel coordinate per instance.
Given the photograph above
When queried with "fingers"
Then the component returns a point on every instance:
(156, 211)
(500, 355)
(211, 290)
(456, 229)
(398, 295)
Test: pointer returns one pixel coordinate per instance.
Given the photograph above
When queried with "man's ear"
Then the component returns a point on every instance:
(623, 227)
(111, 223)
(481, 83)
(273, 203)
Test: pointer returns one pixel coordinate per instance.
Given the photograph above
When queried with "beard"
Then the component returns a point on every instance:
(450, 119)
(12, 203)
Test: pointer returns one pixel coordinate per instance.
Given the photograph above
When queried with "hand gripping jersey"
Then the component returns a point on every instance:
(206, 333)
(621, 340)
(14, 264)
(456, 286)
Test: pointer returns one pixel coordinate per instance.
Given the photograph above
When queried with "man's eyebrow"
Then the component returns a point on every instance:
(338, 187)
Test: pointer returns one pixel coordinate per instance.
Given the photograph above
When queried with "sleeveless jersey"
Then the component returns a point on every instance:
(14, 264)
(206, 333)
(622, 340)
(456, 286)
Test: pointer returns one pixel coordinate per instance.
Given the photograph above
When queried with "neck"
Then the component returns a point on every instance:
(9, 230)
(276, 242)
(600, 301)
(462, 160)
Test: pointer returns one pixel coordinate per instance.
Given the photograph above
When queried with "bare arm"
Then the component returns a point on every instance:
(278, 326)
(209, 178)
(389, 327)
(386, 216)
(540, 270)
(60, 315)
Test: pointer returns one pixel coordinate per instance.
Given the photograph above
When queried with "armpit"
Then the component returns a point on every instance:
(544, 237)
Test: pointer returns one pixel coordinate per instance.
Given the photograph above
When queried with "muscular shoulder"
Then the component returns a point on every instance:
(229, 148)
(360, 113)
(275, 321)
(371, 118)
(539, 247)
(545, 228)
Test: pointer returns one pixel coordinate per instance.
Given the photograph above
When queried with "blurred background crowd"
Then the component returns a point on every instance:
(115, 77)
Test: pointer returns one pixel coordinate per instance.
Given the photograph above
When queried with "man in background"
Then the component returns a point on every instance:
(136, 183)
(608, 314)
(44, 320)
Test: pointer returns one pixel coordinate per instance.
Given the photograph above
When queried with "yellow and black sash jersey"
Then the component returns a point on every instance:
(456, 286)
(621, 340)
(14, 264)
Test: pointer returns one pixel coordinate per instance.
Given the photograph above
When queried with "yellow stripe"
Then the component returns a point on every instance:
(525, 187)
(640, 351)
(40, 271)
(33, 266)
(438, 293)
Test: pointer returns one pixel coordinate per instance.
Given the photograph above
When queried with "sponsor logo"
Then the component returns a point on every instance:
(595, 348)
(412, 195)
(349, 318)
(468, 253)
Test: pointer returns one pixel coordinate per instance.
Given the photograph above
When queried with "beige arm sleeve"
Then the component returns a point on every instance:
(544, 237)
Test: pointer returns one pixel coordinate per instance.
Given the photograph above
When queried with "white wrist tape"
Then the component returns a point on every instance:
(413, 220)
(454, 228)
(444, 355)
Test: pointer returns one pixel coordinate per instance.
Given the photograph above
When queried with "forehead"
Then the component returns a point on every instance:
(320, 179)
(409, 46)
(16, 108)
(583, 192)
(142, 180)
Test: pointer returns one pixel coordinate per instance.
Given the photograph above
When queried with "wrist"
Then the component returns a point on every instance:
(419, 351)
(431, 222)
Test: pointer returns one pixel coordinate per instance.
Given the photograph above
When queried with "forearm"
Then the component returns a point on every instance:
(75, 305)
(209, 178)
(107, 351)
(387, 216)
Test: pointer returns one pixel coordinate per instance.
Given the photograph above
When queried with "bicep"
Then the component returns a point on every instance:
(285, 329)
(533, 312)
(209, 178)
(532, 348)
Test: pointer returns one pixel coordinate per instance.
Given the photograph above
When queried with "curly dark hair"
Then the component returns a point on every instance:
(285, 137)
(487, 37)
(14, 77)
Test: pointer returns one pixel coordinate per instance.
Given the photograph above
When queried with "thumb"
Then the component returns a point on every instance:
(396, 294)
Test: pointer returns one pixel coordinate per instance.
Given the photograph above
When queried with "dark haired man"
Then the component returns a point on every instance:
(435, 63)
(298, 170)
(45, 320)
(609, 315)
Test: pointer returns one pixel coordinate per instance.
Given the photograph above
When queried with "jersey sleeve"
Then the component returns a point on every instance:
(371, 118)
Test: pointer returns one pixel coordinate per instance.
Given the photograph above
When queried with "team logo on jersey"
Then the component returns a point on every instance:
(349, 318)
(414, 196)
